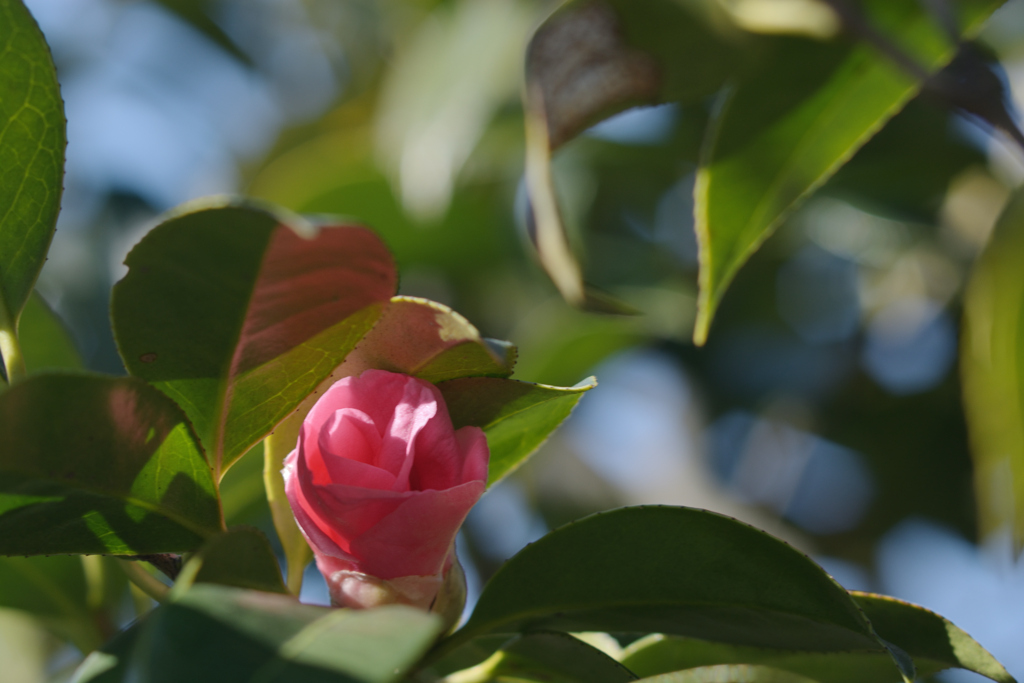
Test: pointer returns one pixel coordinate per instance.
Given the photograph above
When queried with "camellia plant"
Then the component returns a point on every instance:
(382, 420)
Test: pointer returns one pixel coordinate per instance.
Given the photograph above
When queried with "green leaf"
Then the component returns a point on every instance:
(242, 493)
(637, 52)
(98, 465)
(463, 64)
(671, 570)
(415, 337)
(516, 416)
(933, 641)
(222, 635)
(237, 313)
(590, 60)
(993, 374)
(553, 658)
(730, 673)
(240, 557)
(431, 341)
(659, 654)
(45, 341)
(54, 590)
(31, 156)
(786, 127)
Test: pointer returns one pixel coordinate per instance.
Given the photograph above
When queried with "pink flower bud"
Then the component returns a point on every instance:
(380, 483)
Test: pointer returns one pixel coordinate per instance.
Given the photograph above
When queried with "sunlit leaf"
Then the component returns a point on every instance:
(671, 570)
(237, 313)
(430, 341)
(993, 374)
(216, 634)
(516, 416)
(32, 141)
(98, 465)
(444, 86)
(786, 127)
(933, 641)
(45, 341)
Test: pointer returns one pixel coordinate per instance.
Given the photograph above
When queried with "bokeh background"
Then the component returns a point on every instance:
(826, 406)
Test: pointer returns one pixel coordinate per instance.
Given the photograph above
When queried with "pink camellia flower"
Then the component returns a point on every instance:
(380, 483)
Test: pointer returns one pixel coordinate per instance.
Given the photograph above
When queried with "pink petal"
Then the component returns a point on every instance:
(415, 539)
(350, 433)
(318, 539)
(352, 511)
(411, 416)
(349, 445)
(375, 393)
(474, 451)
(438, 461)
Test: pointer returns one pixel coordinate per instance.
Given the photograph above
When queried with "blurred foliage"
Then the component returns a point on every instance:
(423, 141)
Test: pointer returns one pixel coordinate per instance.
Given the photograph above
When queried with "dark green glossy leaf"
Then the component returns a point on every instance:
(100, 465)
(240, 557)
(993, 374)
(31, 156)
(415, 337)
(465, 656)
(786, 127)
(516, 416)
(45, 342)
(237, 313)
(660, 654)
(223, 635)
(730, 673)
(554, 658)
(242, 494)
(54, 590)
(933, 641)
(671, 570)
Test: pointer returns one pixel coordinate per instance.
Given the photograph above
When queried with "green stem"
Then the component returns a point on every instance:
(93, 569)
(14, 362)
(144, 581)
(296, 551)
